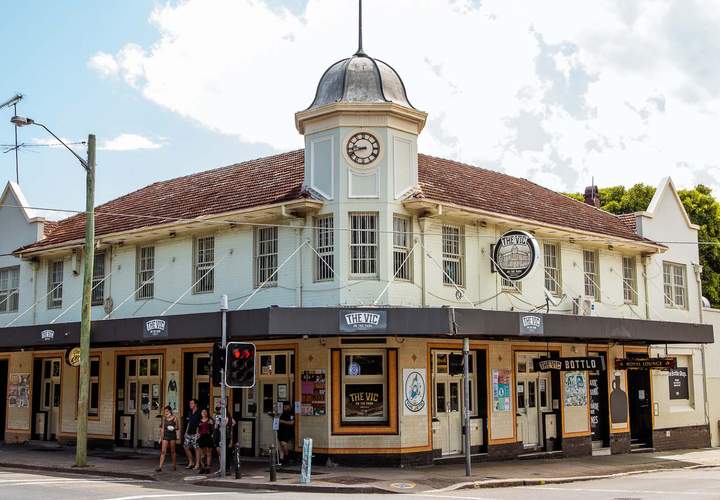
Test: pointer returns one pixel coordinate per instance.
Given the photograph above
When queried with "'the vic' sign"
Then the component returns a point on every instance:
(352, 320)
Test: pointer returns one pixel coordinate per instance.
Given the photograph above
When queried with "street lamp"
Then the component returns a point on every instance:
(85, 318)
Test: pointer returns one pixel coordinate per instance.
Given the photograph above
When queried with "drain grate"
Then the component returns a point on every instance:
(350, 480)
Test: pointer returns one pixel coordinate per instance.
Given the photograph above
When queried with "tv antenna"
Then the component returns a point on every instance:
(13, 101)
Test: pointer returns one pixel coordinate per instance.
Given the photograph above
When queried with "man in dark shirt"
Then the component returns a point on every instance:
(286, 432)
(191, 436)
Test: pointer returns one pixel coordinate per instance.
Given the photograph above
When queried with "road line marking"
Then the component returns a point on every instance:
(454, 497)
(168, 495)
(603, 490)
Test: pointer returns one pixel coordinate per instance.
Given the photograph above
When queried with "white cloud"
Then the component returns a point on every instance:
(557, 92)
(129, 142)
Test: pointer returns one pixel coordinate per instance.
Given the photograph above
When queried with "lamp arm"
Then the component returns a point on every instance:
(83, 162)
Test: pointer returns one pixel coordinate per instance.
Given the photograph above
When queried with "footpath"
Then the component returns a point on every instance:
(437, 478)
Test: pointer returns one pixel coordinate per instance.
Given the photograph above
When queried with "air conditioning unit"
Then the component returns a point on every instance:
(584, 306)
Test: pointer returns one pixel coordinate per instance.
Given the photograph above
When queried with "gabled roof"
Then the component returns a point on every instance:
(667, 185)
(280, 178)
(24, 207)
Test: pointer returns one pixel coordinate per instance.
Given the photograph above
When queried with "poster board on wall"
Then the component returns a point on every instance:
(502, 400)
(19, 390)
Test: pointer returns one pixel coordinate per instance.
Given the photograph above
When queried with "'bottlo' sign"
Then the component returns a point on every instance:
(591, 363)
(515, 255)
(646, 363)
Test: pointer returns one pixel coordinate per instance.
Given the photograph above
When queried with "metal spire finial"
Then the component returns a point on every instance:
(360, 50)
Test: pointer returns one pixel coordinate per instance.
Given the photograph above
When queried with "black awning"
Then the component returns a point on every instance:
(284, 322)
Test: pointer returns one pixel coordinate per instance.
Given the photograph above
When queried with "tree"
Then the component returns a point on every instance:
(702, 209)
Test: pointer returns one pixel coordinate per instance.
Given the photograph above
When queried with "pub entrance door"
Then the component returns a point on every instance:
(533, 398)
(50, 397)
(640, 407)
(275, 382)
(448, 404)
(143, 397)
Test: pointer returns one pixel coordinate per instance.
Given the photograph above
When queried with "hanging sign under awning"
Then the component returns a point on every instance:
(646, 363)
(590, 363)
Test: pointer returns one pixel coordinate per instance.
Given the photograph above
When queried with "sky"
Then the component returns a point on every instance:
(622, 91)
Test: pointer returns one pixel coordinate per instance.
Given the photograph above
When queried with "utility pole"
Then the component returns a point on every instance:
(223, 395)
(466, 403)
(85, 320)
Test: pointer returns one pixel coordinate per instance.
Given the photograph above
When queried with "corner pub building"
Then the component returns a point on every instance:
(358, 266)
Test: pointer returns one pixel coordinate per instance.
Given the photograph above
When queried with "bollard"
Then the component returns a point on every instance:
(273, 463)
(238, 472)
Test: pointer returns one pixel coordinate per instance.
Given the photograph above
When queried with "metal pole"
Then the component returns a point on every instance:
(466, 403)
(85, 321)
(223, 395)
(17, 160)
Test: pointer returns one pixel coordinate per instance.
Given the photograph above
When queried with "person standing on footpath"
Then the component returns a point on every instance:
(286, 433)
(169, 429)
(191, 436)
(229, 421)
(205, 441)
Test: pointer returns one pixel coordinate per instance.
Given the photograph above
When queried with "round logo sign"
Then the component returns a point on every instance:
(415, 391)
(515, 255)
(73, 356)
(354, 369)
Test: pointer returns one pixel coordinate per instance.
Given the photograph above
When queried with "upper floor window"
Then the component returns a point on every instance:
(266, 255)
(551, 253)
(9, 289)
(55, 283)
(629, 280)
(675, 285)
(204, 272)
(591, 274)
(453, 255)
(511, 286)
(325, 248)
(145, 279)
(402, 263)
(98, 281)
(364, 244)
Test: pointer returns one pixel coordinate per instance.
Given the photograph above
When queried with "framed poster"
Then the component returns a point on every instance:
(575, 389)
(678, 383)
(312, 393)
(501, 390)
(19, 390)
(172, 390)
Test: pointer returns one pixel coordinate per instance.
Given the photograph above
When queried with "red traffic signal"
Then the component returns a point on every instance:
(240, 365)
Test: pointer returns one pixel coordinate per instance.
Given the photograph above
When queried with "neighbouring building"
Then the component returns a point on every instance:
(358, 266)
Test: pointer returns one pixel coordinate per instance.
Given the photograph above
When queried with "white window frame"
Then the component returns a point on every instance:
(364, 244)
(675, 285)
(364, 379)
(553, 275)
(98, 283)
(203, 264)
(56, 271)
(325, 248)
(402, 237)
(453, 247)
(591, 274)
(629, 275)
(266, 255)
(9, 289)
(145, 266)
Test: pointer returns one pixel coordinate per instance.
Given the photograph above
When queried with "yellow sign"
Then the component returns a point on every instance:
(73, 356)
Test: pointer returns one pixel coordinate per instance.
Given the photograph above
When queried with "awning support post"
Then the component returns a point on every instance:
(466, 404)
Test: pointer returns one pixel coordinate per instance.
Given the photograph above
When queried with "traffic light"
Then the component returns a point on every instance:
(240, 365)
(217, 363)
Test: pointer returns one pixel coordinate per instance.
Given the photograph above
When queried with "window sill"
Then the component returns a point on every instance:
(203, 293)
(272, 284)
(364, 277)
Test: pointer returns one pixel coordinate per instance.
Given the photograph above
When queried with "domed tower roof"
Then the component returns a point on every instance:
(360, 79)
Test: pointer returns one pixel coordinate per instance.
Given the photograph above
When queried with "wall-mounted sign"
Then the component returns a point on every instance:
(531, 324)
(501, 390)
(155, 328)
(645, 363)
(414, 391)
(515, 255)
(312, 388)
(72, 356)
(678, 382)
(47, 335)
(353, 321)
(364, 400)
(591, 363)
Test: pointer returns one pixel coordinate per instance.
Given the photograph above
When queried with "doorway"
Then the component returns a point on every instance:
(143, 397)
(50, 397)
(3, 397)
(533, 391)
(275, 386)
(448, 403)
(640, 406)
(599, 408)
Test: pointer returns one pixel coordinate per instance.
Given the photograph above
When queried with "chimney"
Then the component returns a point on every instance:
(592, 196)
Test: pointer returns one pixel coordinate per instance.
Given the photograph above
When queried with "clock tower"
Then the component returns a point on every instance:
(361, 158)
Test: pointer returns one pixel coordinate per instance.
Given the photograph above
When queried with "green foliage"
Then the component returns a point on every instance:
(703, 210)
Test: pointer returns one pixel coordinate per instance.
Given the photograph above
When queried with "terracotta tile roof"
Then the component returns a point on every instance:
(630, 220)
(49, 226)
(466, 185)
(279, 178)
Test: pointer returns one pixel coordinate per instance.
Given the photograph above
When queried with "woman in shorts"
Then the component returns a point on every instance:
(205, 441)
(169, 436)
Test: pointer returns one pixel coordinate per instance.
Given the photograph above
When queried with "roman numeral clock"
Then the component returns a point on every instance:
(363, 148)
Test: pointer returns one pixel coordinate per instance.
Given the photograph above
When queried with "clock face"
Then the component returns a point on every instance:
(363, 148)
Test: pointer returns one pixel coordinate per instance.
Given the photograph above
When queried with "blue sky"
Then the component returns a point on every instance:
(624, 91)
